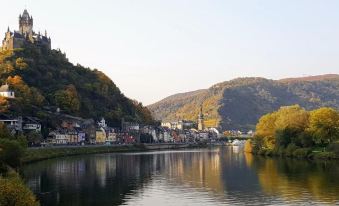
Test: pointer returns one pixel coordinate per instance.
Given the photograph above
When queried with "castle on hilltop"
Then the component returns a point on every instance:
(17, 39)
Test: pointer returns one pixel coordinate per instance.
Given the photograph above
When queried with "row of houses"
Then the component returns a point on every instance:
(75, 131)
(21, 124)
(165, 134)
(130, 132)
(180, 125)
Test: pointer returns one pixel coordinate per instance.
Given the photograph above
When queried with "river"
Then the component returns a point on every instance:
(217, 176)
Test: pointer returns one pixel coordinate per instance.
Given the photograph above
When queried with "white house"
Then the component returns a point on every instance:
(31, 124)
(6, 92)
(59, 137)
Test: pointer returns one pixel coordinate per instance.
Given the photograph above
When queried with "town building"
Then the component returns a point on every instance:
(130, 126)
(181, 124)
(31, 124)
(59, 137)
(111, 136)
(89, 128)
(6, 92)
(81, 137)
(25, 34)
(100, 136)
(72, 136)
(12, 124)
(21, 124)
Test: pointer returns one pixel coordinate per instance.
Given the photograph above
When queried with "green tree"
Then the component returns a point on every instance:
(11, 152)
(68, 99)
(324, 125)
(282, 127)
(34, 138)
(4, 132)
(266, 129)
(293, 116)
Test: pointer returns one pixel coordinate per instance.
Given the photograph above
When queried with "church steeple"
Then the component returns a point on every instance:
(201, 124)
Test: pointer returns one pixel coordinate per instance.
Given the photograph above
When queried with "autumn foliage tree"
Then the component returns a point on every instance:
(68, 99)
(292, 129)
(25, 95)
(324, 125)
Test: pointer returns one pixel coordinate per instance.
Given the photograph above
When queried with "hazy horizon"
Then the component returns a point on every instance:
(154, 49)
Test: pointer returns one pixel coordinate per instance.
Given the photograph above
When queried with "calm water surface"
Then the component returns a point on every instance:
(218, 176)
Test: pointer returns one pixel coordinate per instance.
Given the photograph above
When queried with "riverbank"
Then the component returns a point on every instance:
(299, 154)
(38, 154)
(293, 151)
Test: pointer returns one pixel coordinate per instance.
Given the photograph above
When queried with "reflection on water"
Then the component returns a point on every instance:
(298, 180)
(220, 176)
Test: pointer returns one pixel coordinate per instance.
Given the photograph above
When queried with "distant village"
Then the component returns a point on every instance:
(78, 131)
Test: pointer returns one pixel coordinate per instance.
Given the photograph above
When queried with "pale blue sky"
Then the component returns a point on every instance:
(155, 48)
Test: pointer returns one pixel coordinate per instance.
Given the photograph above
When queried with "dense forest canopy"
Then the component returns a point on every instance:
(44, 80)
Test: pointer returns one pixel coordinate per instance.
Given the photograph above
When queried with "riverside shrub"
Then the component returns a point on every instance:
(290, 150)
(14, 192)
(302, 152)
(11, 152)
(334, 147)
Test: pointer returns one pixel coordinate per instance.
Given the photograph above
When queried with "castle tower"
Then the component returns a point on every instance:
(26, 24)
(201, 125)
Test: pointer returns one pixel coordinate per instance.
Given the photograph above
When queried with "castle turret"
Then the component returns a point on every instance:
(26, 24)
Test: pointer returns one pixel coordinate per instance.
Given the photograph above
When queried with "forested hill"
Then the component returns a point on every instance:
(44, 80)
(239, 103)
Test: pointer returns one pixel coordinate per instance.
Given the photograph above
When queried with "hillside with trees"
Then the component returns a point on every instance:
(239, 103)
(44, 80)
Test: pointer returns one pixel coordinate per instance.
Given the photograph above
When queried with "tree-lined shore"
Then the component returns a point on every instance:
(293, 131)
(13, 190)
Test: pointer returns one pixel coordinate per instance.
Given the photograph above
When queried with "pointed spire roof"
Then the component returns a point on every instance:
(25, 15)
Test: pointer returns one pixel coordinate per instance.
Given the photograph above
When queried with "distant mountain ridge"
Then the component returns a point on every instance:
(311, 78)
(239, 103)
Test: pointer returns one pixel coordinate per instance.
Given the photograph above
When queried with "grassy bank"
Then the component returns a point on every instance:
(306, 153)
(38, 154)
(293, 151)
